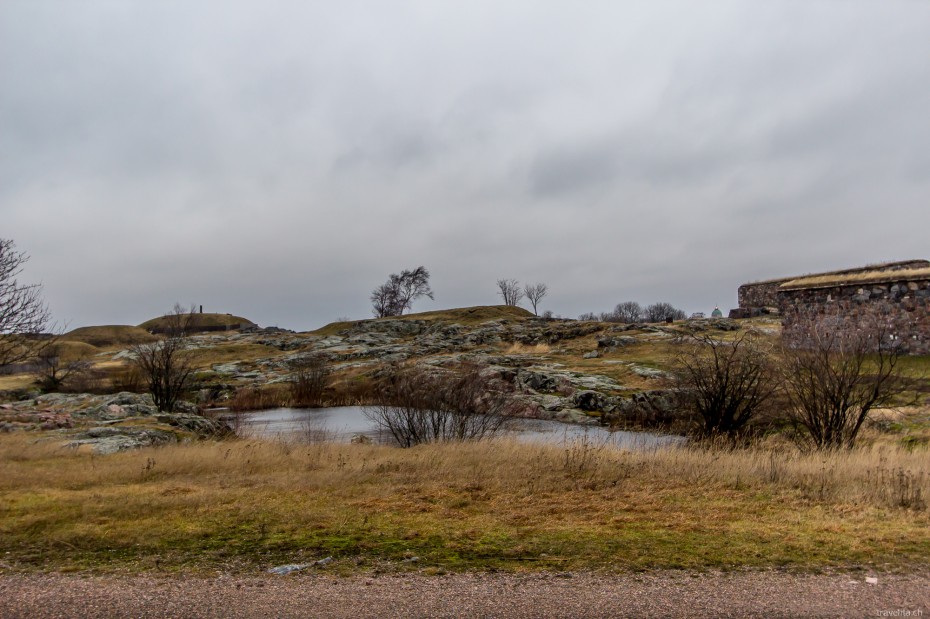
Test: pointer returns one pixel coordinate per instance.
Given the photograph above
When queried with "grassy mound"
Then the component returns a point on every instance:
(71, 351)
(461, 315)
(108, 335)
(206, 322)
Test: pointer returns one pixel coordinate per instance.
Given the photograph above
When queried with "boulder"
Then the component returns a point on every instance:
(201, 426)
(109, 439)
(589, 401)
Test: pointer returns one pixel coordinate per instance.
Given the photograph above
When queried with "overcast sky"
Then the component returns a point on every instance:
(278, 160)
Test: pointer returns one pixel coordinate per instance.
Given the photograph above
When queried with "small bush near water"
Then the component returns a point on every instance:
(422, 406)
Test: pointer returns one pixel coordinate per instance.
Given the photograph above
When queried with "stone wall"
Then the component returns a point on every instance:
(765, 293)
(761, 294)
(901, 309)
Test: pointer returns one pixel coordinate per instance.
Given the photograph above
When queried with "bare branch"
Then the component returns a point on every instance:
(726, 383)
(839, 378)
(308, 380)
(420, 406)
(662, 312)
(166, 364)
(628, 312)
(397, 295)
(510, 291)
(535, 293)
(53, 373)
(24, 317)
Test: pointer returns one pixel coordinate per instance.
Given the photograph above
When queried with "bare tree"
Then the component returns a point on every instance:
(398, 293)
(308, 380)
(662, 312)
(420, 406)
(841, 374)
(165, 364)
(534, 294)
(52, 373)
(726, 383)
(24, 317)
(628, 312)
(510, 291)
(384, 301)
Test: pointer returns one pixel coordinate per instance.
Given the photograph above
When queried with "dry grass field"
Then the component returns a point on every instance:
(242, 505)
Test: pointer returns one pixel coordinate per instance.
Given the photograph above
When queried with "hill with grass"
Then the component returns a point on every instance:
(462, 315)
(109, 335)
(200, 322)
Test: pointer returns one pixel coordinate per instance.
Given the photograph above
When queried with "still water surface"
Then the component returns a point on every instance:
(343, 423)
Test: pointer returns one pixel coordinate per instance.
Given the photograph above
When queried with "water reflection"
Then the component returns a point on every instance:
(345, 423)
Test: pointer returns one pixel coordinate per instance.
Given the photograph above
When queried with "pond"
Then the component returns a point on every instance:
(343, 423)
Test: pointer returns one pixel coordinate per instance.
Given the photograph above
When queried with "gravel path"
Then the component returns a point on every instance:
(656, 594)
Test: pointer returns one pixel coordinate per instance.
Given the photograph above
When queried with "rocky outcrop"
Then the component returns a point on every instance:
(107, 440)
(108, 423)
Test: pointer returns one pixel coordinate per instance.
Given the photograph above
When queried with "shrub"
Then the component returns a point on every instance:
(423, 406)
(308, 380)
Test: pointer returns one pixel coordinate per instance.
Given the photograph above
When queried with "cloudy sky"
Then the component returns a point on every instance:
(279, 159)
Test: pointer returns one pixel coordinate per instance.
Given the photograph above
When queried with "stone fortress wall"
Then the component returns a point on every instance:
(891, 299)
(764, 294)
(896, 308)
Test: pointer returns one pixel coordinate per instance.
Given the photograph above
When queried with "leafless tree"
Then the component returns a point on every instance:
(534, 294)
(628, 312)
(384, 301)
(308, 380)
(838, 376)
(726, 383)
(24, 317)
(165, 364)
(420, 406)
(510, 291)
(662, 312)
(54, 374)
(398, 293)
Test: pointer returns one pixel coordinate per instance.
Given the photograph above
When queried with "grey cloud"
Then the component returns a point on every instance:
(280, 159)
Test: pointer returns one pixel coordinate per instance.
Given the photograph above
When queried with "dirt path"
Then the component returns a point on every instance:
(662, 594)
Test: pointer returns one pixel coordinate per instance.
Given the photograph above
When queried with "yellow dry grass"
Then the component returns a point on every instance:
(523, 349)
(462, 315)
(16, 381)
(492, 504)
(869, 277)
(106, 336)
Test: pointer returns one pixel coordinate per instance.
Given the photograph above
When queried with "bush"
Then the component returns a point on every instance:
(834, 382)
(421, 406)
(726, 384)
(308, 380)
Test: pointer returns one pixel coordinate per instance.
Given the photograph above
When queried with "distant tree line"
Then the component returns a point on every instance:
(630, 312)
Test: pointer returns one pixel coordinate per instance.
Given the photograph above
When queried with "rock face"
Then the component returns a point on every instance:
(542, 389)
(107, 440)
(107, 423)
